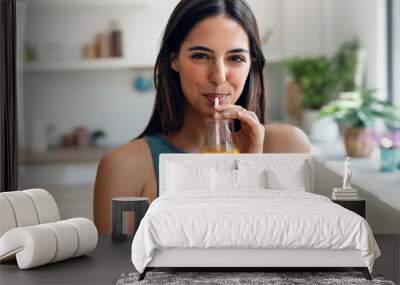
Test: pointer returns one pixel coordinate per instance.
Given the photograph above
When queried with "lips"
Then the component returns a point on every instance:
(211, 97)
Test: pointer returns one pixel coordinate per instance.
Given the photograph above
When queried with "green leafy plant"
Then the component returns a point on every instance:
(361, 109)
(316, 78)
(97, 134)
(321, 77)
(345, 64)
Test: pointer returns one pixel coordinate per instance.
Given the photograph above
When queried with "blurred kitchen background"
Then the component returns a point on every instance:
(85, 86)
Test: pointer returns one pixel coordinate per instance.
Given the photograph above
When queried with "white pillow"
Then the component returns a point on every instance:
(281, 174)
(293, 180)
(182, 177)
(223, 179)
(251, 178)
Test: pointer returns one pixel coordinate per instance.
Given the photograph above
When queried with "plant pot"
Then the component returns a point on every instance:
(398, 157)
(357, 144)
(293, 101)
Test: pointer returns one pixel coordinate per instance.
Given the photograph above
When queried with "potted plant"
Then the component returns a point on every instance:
(317, 80)
(98, 138)
(357, 111)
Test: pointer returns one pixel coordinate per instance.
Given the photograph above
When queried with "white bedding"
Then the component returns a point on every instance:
(251, 218)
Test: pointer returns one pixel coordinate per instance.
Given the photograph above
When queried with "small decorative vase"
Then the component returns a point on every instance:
(397, 150)
(141, 84)
(389, 160)
(356, 144)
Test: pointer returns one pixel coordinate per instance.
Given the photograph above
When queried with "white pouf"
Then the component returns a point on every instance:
(31, 233)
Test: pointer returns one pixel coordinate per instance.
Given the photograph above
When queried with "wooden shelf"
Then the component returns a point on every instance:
(88, 64)
(62, 155)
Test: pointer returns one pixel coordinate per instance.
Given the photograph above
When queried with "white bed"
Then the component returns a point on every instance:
(231, 211)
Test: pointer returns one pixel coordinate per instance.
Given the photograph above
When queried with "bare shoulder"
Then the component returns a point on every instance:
(134, 152)
(284, 138)
(129, 162)
(124, 171)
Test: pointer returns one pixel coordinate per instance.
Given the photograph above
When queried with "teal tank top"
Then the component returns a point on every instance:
(158, 145)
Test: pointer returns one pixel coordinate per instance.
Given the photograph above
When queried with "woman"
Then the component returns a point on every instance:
(210, 48)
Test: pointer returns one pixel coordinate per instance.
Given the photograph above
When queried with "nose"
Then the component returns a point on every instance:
(218, 72)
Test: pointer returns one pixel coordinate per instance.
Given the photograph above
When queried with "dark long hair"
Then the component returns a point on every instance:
(168, 112)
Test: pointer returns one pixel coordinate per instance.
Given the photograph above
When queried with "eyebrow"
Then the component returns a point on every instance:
(203, 48)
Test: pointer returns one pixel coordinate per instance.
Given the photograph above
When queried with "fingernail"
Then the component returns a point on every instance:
(225, 114)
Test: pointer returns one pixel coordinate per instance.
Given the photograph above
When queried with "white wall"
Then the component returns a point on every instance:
(98, 99)
(365, 19)
(269, 15)
(303, 26)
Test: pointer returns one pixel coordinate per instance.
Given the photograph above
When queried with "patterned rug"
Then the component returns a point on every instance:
(269, 278)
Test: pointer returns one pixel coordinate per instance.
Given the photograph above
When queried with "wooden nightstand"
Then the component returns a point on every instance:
(357, 206)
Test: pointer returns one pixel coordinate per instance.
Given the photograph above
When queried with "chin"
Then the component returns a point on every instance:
(207, 113)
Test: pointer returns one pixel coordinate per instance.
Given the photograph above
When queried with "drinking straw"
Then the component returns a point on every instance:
(217, 134)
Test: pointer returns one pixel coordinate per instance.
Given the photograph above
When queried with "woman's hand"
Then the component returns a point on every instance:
(250, 138)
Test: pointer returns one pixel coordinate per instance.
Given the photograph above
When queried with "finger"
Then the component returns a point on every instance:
(229, 112)
(249, 123)
(234, 114)
(254, 115)
(229, 107)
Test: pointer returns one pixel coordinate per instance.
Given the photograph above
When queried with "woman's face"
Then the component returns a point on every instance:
(213, 61)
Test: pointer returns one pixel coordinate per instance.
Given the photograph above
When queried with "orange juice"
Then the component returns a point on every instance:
(221, 150)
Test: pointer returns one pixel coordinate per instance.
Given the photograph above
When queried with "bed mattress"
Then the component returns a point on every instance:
(250, 219)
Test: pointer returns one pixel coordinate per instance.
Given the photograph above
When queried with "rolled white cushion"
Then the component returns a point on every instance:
(87, 235)
(67, 239)
(45, 243)
(7, 218)
(23, 208)
(45, 205)
(33, 246)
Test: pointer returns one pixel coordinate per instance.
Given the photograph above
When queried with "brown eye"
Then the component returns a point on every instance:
(238, 59)
(200, 56)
